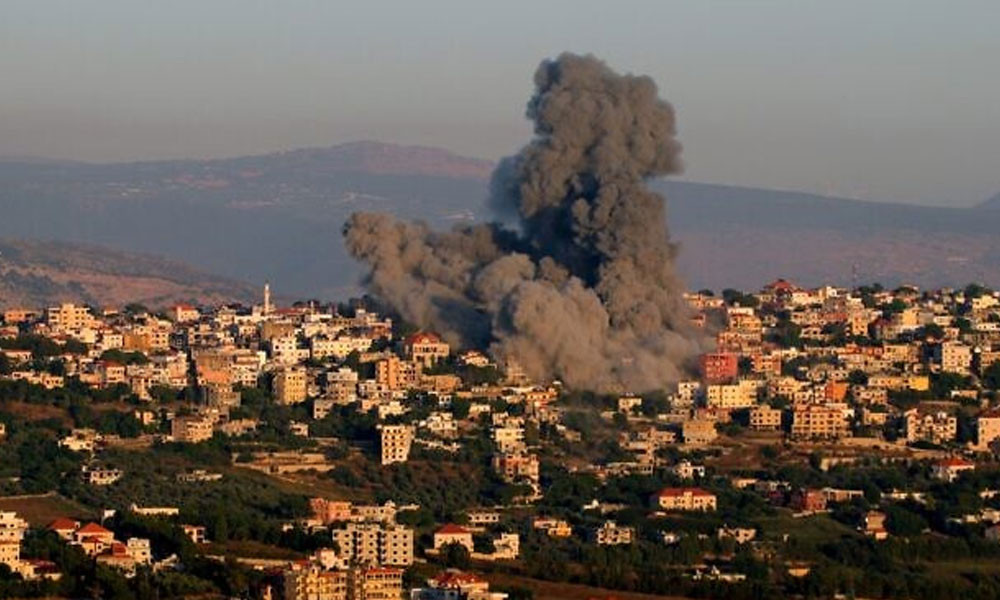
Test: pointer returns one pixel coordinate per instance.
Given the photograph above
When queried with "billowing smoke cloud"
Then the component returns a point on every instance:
(585, 290)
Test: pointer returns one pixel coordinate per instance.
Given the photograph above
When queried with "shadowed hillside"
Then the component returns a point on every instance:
(37, 274)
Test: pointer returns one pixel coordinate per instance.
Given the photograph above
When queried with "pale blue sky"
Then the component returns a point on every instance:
(884, 99)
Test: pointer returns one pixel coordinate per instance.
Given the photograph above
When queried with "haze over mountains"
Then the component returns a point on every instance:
(278, 217)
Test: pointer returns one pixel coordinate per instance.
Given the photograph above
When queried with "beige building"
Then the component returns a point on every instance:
(742, 394)
(426, 348)
(612, 534)
(453, 534)
(12, 528)
(987, 428)
(68, 317)
(699, 431)
(192, 429)
(395, 442)
(396, 374)
(378, 583)
(954, 357)
(315, 583)
(514, 467)
(934, 427)
(290, 385)
(765, 418)
(819, 421)
(685, 499)
(375, 544)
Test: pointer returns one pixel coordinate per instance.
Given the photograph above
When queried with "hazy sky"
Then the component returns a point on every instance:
(882, 99)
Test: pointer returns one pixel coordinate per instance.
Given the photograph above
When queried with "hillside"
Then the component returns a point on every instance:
(992, 203)
(42, 273)
(278, 217)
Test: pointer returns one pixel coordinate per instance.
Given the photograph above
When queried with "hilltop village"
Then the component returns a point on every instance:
(834, 441)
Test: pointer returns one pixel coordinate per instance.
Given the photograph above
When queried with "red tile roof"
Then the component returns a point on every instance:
(94, 529)
(955, 462)
(451, 528)
(63, 524)
(422, 338)
(454, 579)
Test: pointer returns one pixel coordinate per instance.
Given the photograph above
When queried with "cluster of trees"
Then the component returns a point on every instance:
(85, 578)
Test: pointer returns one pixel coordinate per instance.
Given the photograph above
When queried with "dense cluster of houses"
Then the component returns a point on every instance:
(900, 372)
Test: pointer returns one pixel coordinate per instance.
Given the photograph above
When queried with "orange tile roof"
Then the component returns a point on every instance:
(451, 528)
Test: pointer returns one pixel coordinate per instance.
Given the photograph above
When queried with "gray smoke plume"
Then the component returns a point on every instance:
(585, 290)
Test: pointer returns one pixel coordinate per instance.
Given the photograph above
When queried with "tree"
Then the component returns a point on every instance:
(944, 383)
(904, 522)
(974, 290)
(655, 403)
(857, 377)
(991, 376)
(933, 331)
(460, 408)
(737, 298)
(786, 334)
(455, 556)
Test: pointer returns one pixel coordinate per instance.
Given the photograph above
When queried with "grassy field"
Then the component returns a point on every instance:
(813, 528)
(251, 549)
(40, 510)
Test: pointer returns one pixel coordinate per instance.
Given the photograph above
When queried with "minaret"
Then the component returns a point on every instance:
(267, 297)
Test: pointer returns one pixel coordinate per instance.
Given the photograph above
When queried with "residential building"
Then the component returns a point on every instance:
(612, 534)
(426, 348)
(937, 427)
(375, 544)
(685, 499)
(192, 429)
(699, 431)
(453, 534)
(395, 442)
(815, 421)
(719, 367)
(765, 418)
(290, 385)
(949, 469)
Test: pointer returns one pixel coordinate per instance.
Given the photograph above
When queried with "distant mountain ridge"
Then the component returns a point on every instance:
(992, 203)
(39, 274)
(279, 216)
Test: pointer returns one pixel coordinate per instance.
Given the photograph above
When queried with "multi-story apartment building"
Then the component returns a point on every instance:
(719, 367)
(315, 583)
(375, 544)
(814, 421)
(987, 428)
(516, 466)
(12, 528)
(742, 394)
(396, 373)
(699, 431)
(291, 385)
(937, 427)
(765, 418)
(954, 357)
(68, 318)
(192, 429)
(395, 442)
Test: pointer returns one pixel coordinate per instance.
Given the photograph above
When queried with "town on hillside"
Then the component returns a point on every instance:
(833, 441)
